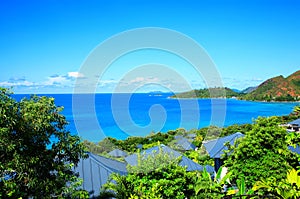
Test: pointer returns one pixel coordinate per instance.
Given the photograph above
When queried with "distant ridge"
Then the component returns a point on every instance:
(249, 89)
(208, 93)
(274, 89)
(277, 89)
(236, 90)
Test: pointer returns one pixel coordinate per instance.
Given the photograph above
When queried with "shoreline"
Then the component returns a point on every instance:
(234, 98)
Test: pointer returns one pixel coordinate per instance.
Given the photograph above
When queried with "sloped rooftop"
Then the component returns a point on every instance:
(215, 148)
(190, 164)
(117, 153)
(295, 122)
(185, 144)
(294, 149)
(95, 171)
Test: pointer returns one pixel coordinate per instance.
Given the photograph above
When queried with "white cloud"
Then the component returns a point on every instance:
(54, 82)
(12, 84)
(169, 81)
(75, 74)
(137, 80)
(57, 79)
(107, 83)
(150, 83)
(16, 81)
(63, 80)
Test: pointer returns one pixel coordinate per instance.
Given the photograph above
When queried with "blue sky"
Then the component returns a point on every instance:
(44, 43)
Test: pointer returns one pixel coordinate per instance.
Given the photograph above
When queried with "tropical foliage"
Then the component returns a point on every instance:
(287, 188)
(155, 176)
(296, 110)
(36, 152)
(208, 93)
(207, 187)
(37, 156)
(160, 176)
(263, 152)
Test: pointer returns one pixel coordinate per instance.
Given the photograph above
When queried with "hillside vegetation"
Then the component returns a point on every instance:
(277, 89)
(208, 93)
(274, 89)
(259, 165)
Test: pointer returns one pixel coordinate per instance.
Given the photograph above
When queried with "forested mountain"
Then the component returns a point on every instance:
(274, 89)
(277, 89)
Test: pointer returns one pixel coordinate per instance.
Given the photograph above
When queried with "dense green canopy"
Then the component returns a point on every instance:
(36, 152)
(262, 153)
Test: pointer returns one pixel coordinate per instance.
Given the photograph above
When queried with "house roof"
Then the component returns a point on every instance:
(117, 153)
(95, 171)
(215, 148)
(190, 164)
(178, 137)
(185, 144)
(295, 122)
(191, 135)
(295, 150)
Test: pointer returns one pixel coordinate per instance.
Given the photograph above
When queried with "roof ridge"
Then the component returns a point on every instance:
(222, 137)
(228, 141)
(92, 155)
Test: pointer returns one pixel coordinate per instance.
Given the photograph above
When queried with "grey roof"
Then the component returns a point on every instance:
(295, 150)
(117, 153)
(95, 171)
(191, 135)
(190, 164)
(295, 122)
(185, 144)
(215, 148)
(178, 137)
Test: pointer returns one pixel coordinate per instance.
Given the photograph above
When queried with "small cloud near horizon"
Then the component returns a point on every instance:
(21, 84)
(67, 82)
(75, 74)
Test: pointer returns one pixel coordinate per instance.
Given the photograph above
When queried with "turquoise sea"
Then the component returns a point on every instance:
(96, 116)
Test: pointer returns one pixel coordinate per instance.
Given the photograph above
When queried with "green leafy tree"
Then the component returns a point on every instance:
(243, 128)
(36, 152)
(263, 152)
(103, 147)
(198, 157)
(155, 176)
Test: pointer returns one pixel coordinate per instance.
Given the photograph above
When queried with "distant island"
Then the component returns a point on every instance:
(274, 89)
(217, 92)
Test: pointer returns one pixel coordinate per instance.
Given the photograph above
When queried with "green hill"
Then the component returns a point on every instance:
(208, 93)
(277, 89)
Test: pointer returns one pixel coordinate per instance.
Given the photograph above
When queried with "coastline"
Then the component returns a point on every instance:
(233, 98)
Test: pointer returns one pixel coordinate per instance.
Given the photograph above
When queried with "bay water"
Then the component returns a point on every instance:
(122, 115)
